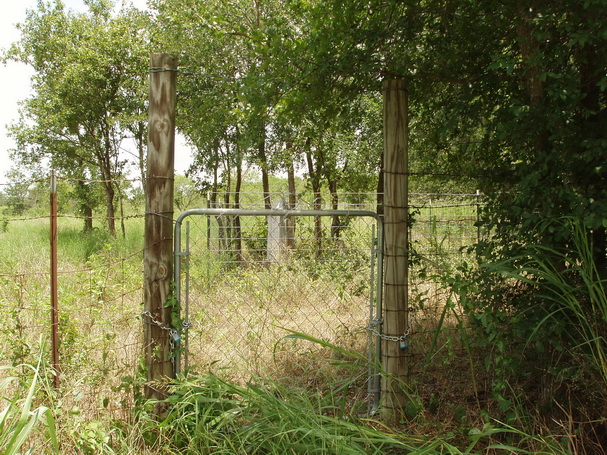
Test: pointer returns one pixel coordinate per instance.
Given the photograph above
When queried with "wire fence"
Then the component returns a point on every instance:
(255, 282)
(244, 299)
(241, 314)
(99, 332)
(100, 288)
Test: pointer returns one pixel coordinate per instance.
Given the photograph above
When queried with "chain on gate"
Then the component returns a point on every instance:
(174, 334)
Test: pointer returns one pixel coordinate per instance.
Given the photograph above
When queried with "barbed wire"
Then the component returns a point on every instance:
(83, 217)
(31, 218)
(73, 179)
(101, 218)
(78, 217)
(86, 269)
(26, 182)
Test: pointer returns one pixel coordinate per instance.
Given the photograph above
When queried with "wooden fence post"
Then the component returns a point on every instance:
(158, 254)
(277, 238)
(395, 317)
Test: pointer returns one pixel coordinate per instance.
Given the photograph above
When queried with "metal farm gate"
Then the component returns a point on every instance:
(248, 281)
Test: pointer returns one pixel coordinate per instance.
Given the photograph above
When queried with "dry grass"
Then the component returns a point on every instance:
(241, 321)
(241, 317)
(100, 334)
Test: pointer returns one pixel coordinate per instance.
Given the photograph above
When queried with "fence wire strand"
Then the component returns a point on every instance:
(241, 304)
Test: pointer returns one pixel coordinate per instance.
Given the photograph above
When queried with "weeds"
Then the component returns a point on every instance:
(571, 282)
(315, 402)
(209, 414)
(19, 420)
(543, 314)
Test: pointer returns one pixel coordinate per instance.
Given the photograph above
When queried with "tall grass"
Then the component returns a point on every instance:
(19, 419)
(312, 410)
(560, 317)
(208, 414)
(570, 281)
(211, 415)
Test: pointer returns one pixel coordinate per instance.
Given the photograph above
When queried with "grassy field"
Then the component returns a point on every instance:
(268, 390)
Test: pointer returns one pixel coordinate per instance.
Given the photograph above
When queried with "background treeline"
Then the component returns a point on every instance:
(506, 98)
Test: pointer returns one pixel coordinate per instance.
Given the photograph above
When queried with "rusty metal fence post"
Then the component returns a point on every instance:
(54, 293)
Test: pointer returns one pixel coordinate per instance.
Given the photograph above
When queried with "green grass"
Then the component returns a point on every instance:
(19, 419)
(312, 406)
(208, 414)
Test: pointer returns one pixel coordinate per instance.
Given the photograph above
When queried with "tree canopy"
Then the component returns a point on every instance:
(89, 90)
(508, 98)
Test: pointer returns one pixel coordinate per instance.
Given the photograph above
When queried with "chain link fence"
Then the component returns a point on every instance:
(257, 281)
(246, 297)
(252, 280)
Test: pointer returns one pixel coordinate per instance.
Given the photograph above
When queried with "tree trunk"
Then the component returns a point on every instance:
(140, 144)
(215, 188)
(122, 225)
(292, 200)
(530, 52)
(263, 162)
(108, 187)
(237, 227)
(335, 221)
(227, 225)
(111, 213)
(314, 170)
(88, 217)
(85, 205)
(105, 162)
(215, 201)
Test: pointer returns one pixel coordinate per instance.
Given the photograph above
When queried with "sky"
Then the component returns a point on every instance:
(14, 77)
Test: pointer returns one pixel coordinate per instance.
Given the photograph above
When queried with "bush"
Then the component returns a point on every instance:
(543, 314)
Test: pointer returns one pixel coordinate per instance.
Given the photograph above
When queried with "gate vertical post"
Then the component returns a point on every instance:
(158, 253)
(396, 304)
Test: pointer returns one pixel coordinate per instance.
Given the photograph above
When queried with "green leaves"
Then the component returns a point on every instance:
(18, 418)
(89, 91)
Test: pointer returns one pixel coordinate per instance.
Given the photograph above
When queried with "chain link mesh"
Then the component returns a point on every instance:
(254, 281)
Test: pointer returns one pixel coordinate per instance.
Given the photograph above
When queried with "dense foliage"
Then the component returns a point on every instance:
(89, 88)
(507, 98)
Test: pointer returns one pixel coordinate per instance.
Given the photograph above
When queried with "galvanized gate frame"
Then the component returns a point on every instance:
(375, 301)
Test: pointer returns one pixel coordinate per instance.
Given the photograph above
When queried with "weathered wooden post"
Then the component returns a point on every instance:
(277, 239)
(395, 317)
(158, 254)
